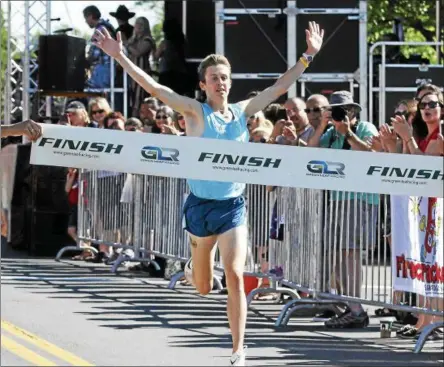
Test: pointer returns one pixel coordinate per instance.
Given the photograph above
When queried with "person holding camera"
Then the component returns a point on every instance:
(351, 218)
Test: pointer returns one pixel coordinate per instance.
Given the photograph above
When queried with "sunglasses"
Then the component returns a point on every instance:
(431, 104)
(316, 109)
(161, 117)
(97, 111)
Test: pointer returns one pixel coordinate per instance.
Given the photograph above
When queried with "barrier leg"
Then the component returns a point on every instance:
(425, 334)
(120, 259)
(74, 248)
(291, 292)
(175, 278)
(307, 306)
(297, 304)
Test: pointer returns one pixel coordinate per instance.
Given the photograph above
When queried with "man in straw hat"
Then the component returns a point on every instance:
(122, 14)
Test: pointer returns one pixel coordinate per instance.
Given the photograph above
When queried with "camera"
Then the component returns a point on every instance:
(338, 113)
(281, 114)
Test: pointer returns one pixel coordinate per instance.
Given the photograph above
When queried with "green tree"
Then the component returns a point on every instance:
(418, 18)
(3, 61)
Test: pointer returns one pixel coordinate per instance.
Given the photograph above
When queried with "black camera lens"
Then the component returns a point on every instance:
(338, 113)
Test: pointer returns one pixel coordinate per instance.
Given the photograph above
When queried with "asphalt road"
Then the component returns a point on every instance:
(74, 313)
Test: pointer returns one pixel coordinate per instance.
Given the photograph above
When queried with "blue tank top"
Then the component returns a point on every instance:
(217, 128)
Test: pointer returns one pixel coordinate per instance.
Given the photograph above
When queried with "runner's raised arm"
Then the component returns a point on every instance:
(114, 48)
(314, 37)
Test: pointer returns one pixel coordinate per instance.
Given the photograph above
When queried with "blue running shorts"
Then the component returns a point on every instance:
(206, 217)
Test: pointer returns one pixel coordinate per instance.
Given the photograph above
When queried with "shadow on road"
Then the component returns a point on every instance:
(132, 301)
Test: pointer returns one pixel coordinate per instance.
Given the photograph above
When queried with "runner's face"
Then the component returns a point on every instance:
(217, 82)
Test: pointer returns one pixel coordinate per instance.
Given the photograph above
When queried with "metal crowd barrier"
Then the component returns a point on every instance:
(331, 246)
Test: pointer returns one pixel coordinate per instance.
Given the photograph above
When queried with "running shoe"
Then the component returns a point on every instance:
(238, 358)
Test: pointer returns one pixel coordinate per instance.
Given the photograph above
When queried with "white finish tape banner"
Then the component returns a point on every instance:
(417, 250)
(222, 160)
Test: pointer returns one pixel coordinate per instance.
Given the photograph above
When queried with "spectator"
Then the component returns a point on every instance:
(179, 123)
(171, 55)
(98, 109)
(72, 189)
(260, 135)
(133, 124)
(147, 113)
(424, 89)
(388, 141)
(354, 213)
(122, 14)
(177, 128)
(296, 108)
(258, 120)
(271, 113)
(140, 46)
(164, 116)
(99, 61)
(114, 121)
(316, 105)
(427, 118)
(78, 116)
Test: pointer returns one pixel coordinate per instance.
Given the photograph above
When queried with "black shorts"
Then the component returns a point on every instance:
(72, 221)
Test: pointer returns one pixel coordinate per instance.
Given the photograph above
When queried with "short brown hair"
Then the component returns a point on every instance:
(212, 60)
(116, 115)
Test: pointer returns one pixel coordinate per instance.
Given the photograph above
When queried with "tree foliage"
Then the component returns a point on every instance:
(418, 18)
(3, 61)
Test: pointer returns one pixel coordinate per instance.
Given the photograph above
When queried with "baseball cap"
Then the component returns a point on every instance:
(75, 105)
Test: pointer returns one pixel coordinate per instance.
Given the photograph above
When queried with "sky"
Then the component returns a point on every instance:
(71, 14)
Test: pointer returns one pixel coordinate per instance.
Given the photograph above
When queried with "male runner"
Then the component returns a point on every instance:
(215, 211)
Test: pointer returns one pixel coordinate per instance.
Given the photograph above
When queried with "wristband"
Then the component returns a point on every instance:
(304, 62)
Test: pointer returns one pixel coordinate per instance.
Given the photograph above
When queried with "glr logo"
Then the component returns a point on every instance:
(161, 155)
(323, 168)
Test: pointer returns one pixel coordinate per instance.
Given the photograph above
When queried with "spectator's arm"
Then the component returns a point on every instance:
(140, 48)
(68, 184)
(366, 131)
(357, 144)
(434, 148)
(159, 51)
(318, 137)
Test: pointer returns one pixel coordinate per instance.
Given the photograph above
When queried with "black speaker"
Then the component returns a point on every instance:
(39, 207)
(62, 63)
